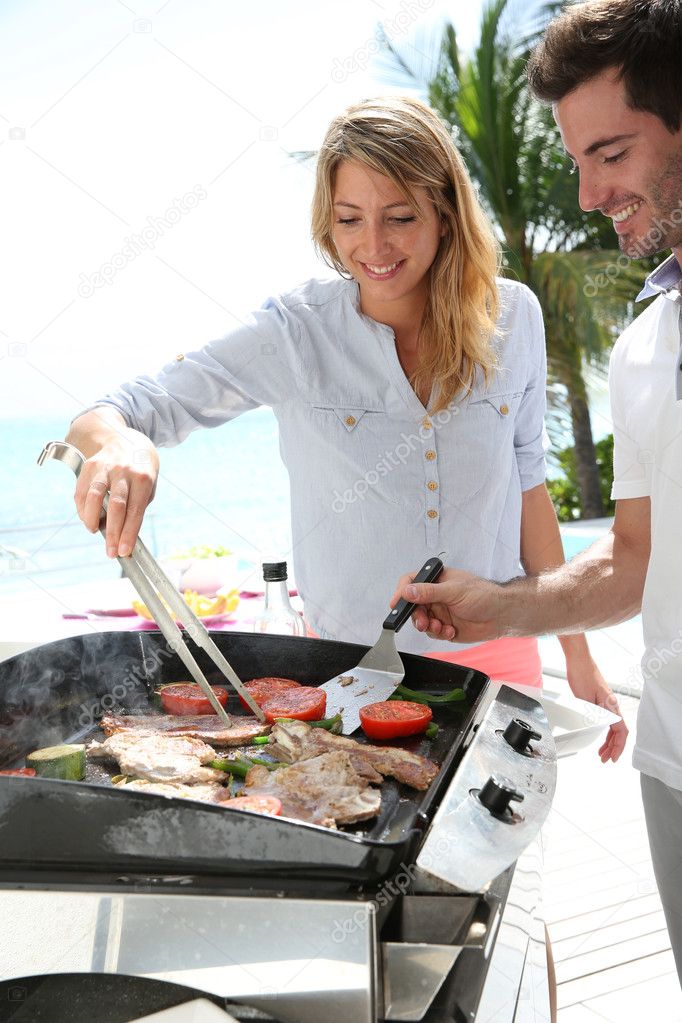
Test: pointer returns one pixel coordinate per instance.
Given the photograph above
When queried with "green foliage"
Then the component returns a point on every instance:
(564, 489)
(514, 153)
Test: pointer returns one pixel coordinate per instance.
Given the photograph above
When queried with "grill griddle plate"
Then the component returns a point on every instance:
(58, 692)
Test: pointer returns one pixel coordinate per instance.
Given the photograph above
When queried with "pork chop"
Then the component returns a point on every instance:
(175, 758)
(205, 793)
(296, 741)
(201, 726)
(327, 790)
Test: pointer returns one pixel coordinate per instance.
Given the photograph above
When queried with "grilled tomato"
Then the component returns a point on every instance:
(261, 689)
(187, 698)
(393, 719)
(306, 703)
(284, 698)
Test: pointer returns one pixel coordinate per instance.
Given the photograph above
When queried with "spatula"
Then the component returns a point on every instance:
(381, 670)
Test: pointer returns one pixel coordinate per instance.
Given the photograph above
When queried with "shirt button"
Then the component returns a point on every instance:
(430, 455)
(504, 409)
(432, 485)
(350, 420)
(432, 514)
(179, 358)
(426, 424)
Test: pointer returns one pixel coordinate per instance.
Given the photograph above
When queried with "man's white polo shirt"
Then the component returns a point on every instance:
(646, 405)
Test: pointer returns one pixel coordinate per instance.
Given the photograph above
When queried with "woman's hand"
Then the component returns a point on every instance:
(458, 607)
(123, 463)
(588, 683)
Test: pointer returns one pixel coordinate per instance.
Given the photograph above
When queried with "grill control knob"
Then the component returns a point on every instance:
(518, 734)
(497, 794)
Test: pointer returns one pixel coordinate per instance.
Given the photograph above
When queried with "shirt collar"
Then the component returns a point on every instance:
(663, 279)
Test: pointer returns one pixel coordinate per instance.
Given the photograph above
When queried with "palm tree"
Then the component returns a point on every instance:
(514, 153)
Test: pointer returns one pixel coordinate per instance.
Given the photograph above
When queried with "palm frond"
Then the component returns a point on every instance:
(514, 153)
(412, 63)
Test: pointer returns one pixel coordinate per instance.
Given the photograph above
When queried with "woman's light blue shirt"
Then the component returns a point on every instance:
(378, 485)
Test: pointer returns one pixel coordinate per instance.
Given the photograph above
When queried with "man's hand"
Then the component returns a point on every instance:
(459, 607)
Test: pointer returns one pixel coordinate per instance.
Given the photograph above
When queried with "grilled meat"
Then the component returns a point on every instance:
(204, 726)
(206, 793)
(295, 741)
(173, 758)
(327, 790)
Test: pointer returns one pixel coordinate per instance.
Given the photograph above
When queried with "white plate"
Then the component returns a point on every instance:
(576, 724)
(198, 1011)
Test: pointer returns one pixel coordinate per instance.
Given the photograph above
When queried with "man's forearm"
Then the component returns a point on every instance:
(601, 586)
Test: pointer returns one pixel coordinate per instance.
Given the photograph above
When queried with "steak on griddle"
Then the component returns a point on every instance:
(208, 727)
(162, 758)
(295, 741)
(327, 790)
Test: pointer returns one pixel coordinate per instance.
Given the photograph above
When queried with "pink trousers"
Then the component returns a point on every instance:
(511, 659)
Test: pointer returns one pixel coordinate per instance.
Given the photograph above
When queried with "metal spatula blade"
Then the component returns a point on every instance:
(381, 670)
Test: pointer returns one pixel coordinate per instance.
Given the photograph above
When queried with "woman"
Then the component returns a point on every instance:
(410, 396)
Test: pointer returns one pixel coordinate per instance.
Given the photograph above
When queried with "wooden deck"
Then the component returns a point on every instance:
(610, 943)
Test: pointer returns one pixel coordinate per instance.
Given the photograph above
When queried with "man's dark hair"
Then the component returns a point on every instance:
(642, 39)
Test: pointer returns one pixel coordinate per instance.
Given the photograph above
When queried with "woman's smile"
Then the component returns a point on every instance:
(383, 272)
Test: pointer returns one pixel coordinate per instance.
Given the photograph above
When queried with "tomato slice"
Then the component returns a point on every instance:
(305, 703)
(259, 804)
(187, 698)
(393, 719)
(263, 688)
(26, 772)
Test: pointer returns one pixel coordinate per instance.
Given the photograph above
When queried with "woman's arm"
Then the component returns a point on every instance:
(255, 364)
(120, 461)
(541, 549)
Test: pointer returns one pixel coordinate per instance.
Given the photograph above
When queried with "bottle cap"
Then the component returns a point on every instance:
(274, 571)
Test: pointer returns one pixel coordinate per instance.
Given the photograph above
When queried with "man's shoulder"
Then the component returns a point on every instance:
(642, 333)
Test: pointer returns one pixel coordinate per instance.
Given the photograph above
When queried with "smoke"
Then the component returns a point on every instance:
(58, 692)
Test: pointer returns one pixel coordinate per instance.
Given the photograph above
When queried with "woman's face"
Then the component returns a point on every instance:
(378, 236)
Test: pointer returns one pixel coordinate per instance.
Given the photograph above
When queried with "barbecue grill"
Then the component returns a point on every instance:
(430, 912)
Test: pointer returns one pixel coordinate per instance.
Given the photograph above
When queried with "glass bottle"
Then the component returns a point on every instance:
(278, 616)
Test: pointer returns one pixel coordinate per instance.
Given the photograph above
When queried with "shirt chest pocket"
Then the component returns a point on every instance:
(478, 450)
(498, 409)
(353, 441)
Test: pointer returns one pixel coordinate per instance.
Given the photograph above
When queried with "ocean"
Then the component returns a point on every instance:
(224, 487)
(220, 488)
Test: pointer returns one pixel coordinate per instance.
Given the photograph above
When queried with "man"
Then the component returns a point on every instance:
(613, 71)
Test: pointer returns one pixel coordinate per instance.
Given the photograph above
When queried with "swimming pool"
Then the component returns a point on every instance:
(617, 649)
(575, 544)
(576, 538)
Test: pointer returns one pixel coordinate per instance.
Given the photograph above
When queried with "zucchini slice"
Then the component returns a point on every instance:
(66, 762)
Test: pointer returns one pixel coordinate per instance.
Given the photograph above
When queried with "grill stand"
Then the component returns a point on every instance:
(439, 938)
(299, 959)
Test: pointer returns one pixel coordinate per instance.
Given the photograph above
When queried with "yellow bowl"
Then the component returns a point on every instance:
(203, 607)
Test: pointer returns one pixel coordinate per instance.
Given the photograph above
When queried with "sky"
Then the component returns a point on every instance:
(149, 199)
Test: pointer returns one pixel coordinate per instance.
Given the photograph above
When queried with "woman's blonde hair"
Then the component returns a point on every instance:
(405, 140)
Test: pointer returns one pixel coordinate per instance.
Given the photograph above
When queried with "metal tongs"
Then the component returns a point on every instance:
(154, 587)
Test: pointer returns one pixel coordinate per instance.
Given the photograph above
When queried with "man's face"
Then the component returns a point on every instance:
(630, 165)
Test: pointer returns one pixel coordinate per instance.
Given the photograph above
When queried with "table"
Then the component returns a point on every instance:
(28, 622)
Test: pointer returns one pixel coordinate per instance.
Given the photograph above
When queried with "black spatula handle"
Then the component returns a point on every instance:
(428, 573)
